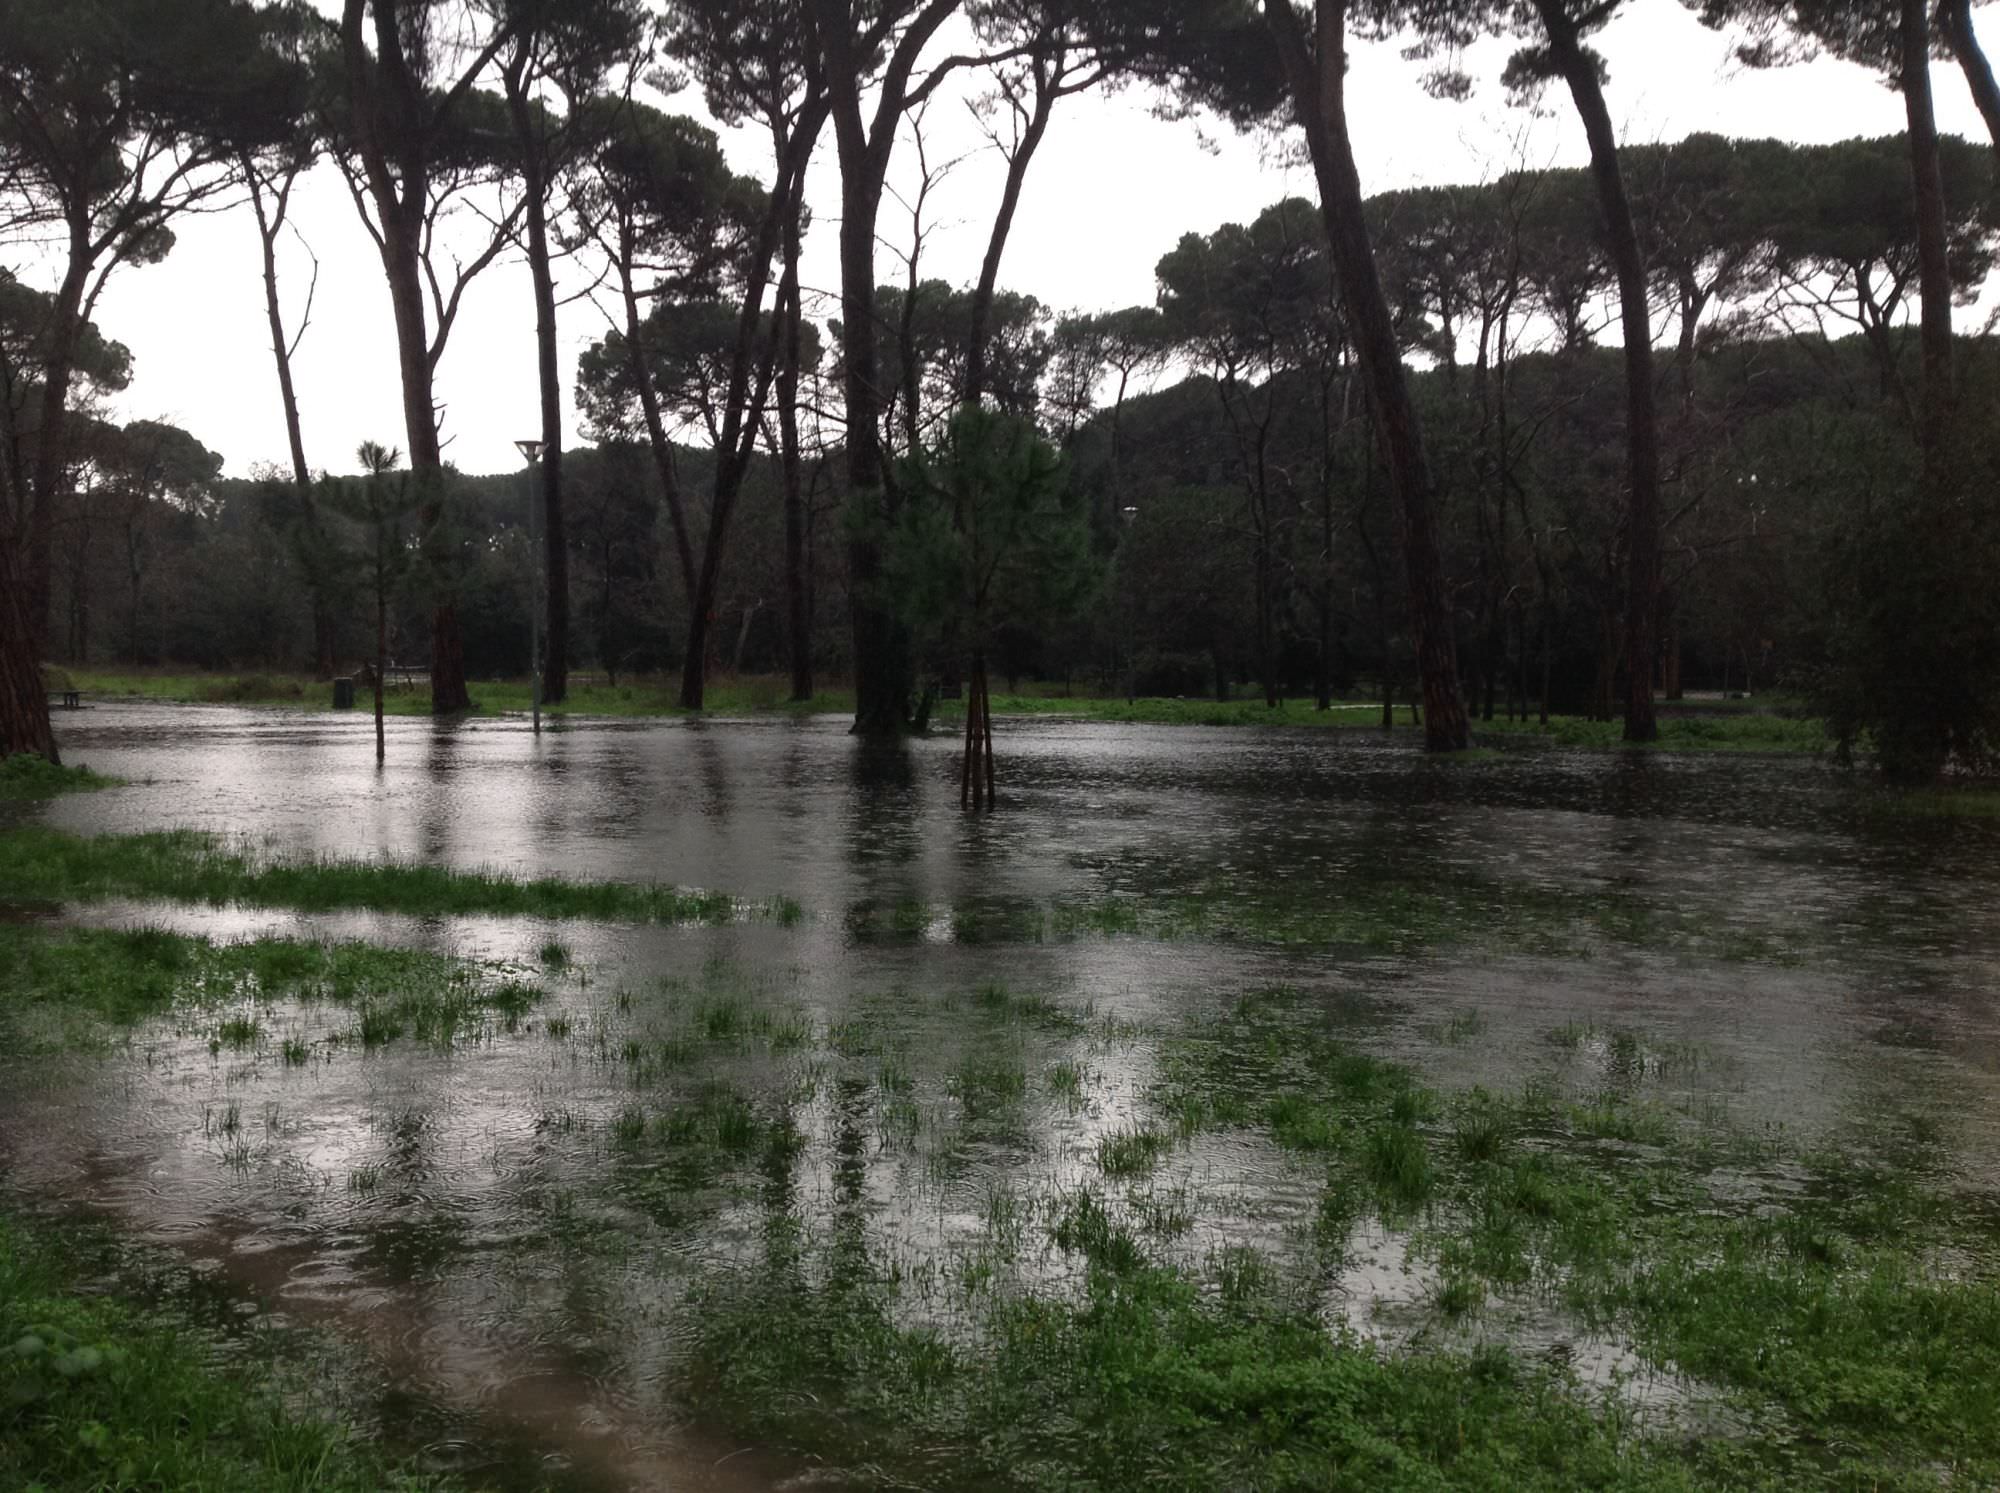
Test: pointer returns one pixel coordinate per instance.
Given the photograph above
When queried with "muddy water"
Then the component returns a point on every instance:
(498, 1221)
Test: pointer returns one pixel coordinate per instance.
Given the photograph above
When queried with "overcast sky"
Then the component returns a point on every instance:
(1111, 191)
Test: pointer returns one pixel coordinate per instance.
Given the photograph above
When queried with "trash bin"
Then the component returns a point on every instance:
(343, 694)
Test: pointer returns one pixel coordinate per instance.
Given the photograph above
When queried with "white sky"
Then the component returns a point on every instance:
(1111, 191)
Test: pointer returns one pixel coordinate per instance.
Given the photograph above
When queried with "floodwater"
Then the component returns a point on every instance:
(491, 1219)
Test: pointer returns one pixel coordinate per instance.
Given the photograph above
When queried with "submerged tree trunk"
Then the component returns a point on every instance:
(24, 704)
(1579, 69)
(976, 772)
(1317, 76)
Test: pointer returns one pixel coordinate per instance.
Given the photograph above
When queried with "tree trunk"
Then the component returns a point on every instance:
(1955, 17)
(1642, 429)
(24, 704)
(996, 242)
(1318, 88)
(1933, 262)
(656, 427)
(750, 377)
(399, 206)
(884, 667)
(269, 224)
(51, 453)
(534, 181)
(798, 606)
(976, 773)
(381, 643)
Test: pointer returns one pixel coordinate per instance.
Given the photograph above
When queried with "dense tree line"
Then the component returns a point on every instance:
(1558, 440)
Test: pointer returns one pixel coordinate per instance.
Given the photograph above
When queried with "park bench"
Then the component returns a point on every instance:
(71, 699)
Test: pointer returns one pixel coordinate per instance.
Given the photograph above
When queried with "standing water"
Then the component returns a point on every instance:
(534, 1213)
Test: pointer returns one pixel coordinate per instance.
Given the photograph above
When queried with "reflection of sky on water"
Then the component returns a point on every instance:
(471, 1210)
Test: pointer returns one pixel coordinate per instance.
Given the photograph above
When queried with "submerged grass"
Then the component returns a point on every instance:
(1102, 1326)
(105, 1391)
(71, 988)
(38, 864)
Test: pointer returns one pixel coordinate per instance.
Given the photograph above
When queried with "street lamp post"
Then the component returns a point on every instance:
(529, 451)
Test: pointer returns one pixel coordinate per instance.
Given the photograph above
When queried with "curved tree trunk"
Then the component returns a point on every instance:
(1955, 20)
(1642, 426)
(996, 242)
(1317, 76)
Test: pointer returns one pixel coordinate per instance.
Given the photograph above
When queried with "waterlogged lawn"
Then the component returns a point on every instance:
(1376, 913)
(81, 988)
(115, 1391)
(45, 865)
(1002, 1238)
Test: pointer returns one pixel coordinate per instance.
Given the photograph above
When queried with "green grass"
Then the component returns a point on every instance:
(75, 988)
(747, 696)
(38, 864)
(108, 1392)
(1972, 801)
(28, 776)
(1723, 729)
(1710, 731)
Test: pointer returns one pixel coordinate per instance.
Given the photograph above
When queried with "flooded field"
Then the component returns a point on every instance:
(746, 1200)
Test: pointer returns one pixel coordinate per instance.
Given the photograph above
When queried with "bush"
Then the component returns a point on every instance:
(1172, 675)
(1912, 668)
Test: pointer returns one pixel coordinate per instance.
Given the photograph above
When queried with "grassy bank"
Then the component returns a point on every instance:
(107, 1391)
(46, 865)
(27, 776)
(1729, 728)
(657, 697)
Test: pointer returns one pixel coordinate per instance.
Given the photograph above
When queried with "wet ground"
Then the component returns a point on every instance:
(520, 1221)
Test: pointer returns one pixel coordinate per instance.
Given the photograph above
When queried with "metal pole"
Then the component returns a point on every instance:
(534, 597)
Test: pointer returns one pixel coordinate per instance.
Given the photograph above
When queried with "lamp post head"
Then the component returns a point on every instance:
(529, 450)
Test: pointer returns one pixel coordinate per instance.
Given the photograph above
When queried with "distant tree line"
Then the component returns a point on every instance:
(1558, 440)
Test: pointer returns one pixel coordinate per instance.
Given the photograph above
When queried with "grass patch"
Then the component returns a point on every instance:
(74, 988)
(46, 865)
(751, 695)
(1708, 731)
(103, 1391)
(25, 775)
(1741, 729)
